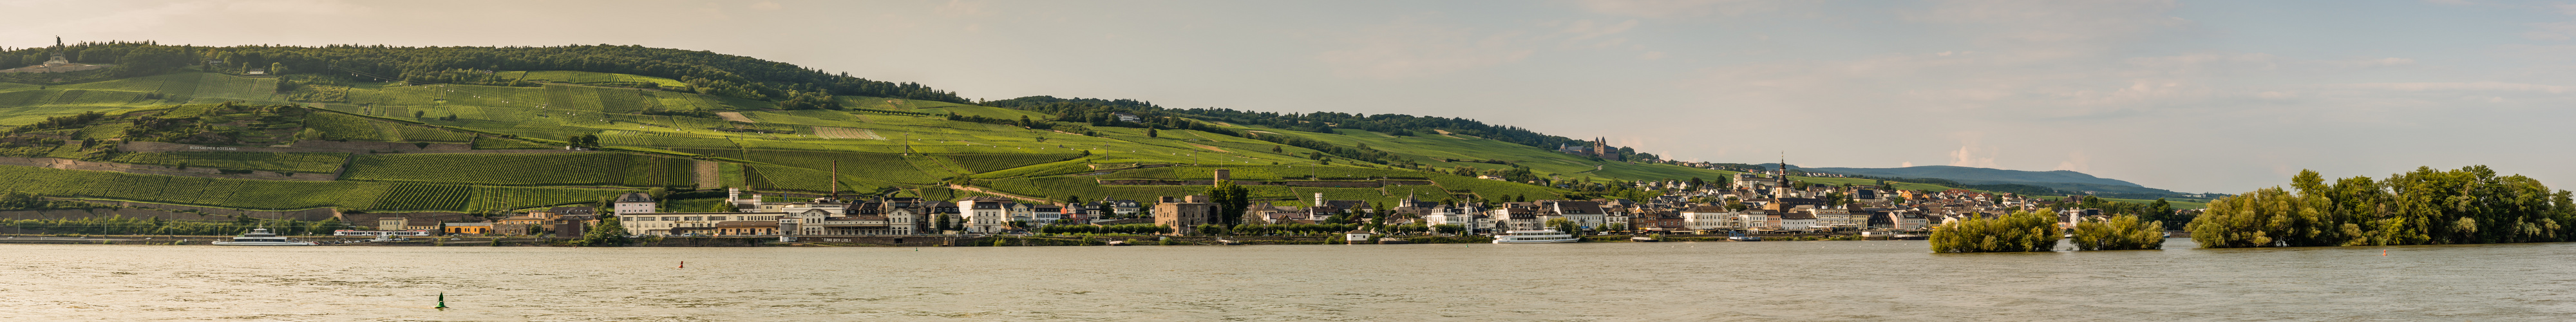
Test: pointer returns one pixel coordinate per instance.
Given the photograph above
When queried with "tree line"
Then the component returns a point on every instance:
(2471, 205)
(703, 71)
(1100, 112)
(118, 225)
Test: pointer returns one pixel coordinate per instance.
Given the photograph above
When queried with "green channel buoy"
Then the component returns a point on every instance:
(442, 301)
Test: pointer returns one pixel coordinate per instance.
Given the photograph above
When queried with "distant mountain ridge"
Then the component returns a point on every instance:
(2059, 179)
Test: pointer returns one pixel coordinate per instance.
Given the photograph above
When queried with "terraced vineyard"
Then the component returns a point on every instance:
(879, 166)
(229, 193)
(262, 161)
(424, 197)
(534, 169)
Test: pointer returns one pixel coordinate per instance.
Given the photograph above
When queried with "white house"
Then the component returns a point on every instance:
(983, 214)
(633, 203)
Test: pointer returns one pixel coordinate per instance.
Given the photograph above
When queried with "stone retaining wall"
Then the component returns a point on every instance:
(1291, 183)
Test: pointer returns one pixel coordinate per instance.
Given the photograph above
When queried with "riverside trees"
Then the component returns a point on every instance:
(2119, 233)
(2021, 231)
(2423, 207)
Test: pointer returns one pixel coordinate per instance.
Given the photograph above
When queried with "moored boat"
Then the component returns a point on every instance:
(1533, 237)
(261, 237)
(1392, 241)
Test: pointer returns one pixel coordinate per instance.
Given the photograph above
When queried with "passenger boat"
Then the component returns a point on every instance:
(1741, 237)
(261, 237)
(1533, 237)
(1392, 241)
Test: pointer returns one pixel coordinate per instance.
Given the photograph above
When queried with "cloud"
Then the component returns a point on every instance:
(1586, 29)
(961, 8)
(1676, 8)
(1651, 55)
(1408, 49)
(2076, 161)
(2469, 86)
(1970, 154)
(1907, 164)
(2054, 19)
(162, 14)
(2551, 31)
(1967, 156)
(765, 5)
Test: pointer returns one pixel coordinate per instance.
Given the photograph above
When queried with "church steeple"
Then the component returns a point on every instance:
(1782, 190)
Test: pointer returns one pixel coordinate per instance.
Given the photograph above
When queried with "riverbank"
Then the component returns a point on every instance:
(865, 241)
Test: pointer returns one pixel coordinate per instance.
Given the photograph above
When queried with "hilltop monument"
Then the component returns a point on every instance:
(58, 64)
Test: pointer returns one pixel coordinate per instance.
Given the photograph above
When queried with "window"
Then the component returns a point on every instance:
(695, 218)
(670, 218)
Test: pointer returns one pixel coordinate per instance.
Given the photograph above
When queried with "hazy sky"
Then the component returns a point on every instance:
(2196, 96)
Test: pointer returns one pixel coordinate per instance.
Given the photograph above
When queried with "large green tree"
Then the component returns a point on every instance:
(2021, 231)
(2471, 205)
(607, 233)
(1231, 200)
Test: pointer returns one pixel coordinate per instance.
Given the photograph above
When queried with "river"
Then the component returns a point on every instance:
(1816, 280)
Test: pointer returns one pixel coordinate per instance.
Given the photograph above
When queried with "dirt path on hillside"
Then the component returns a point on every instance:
(736, 117)
(1012, 196)
(710, 174)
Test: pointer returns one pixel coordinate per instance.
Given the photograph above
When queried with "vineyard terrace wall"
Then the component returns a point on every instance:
(1308, 184)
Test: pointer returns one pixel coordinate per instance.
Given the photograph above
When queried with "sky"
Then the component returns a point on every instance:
(2193, 96)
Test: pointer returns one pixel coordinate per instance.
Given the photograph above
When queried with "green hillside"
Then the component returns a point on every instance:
(456, 140)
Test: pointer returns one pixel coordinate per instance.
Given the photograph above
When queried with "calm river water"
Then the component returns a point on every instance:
(1822, 280)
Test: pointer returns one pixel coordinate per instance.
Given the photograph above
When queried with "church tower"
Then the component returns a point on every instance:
(1782, 191)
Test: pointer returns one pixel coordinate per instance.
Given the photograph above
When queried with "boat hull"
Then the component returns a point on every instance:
(265, 243)
(1535, 241)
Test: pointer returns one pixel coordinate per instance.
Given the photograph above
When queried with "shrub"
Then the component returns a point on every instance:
(2021, 231)
(2120, 233)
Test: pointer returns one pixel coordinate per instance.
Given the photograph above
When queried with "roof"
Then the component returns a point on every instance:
(1578, 207)
(634, 197)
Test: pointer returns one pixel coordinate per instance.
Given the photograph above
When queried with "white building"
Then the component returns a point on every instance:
(664, 224)
(984, 215)
(634, 203)
(1710, 218)
(1797, 221)
(1586, 214)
